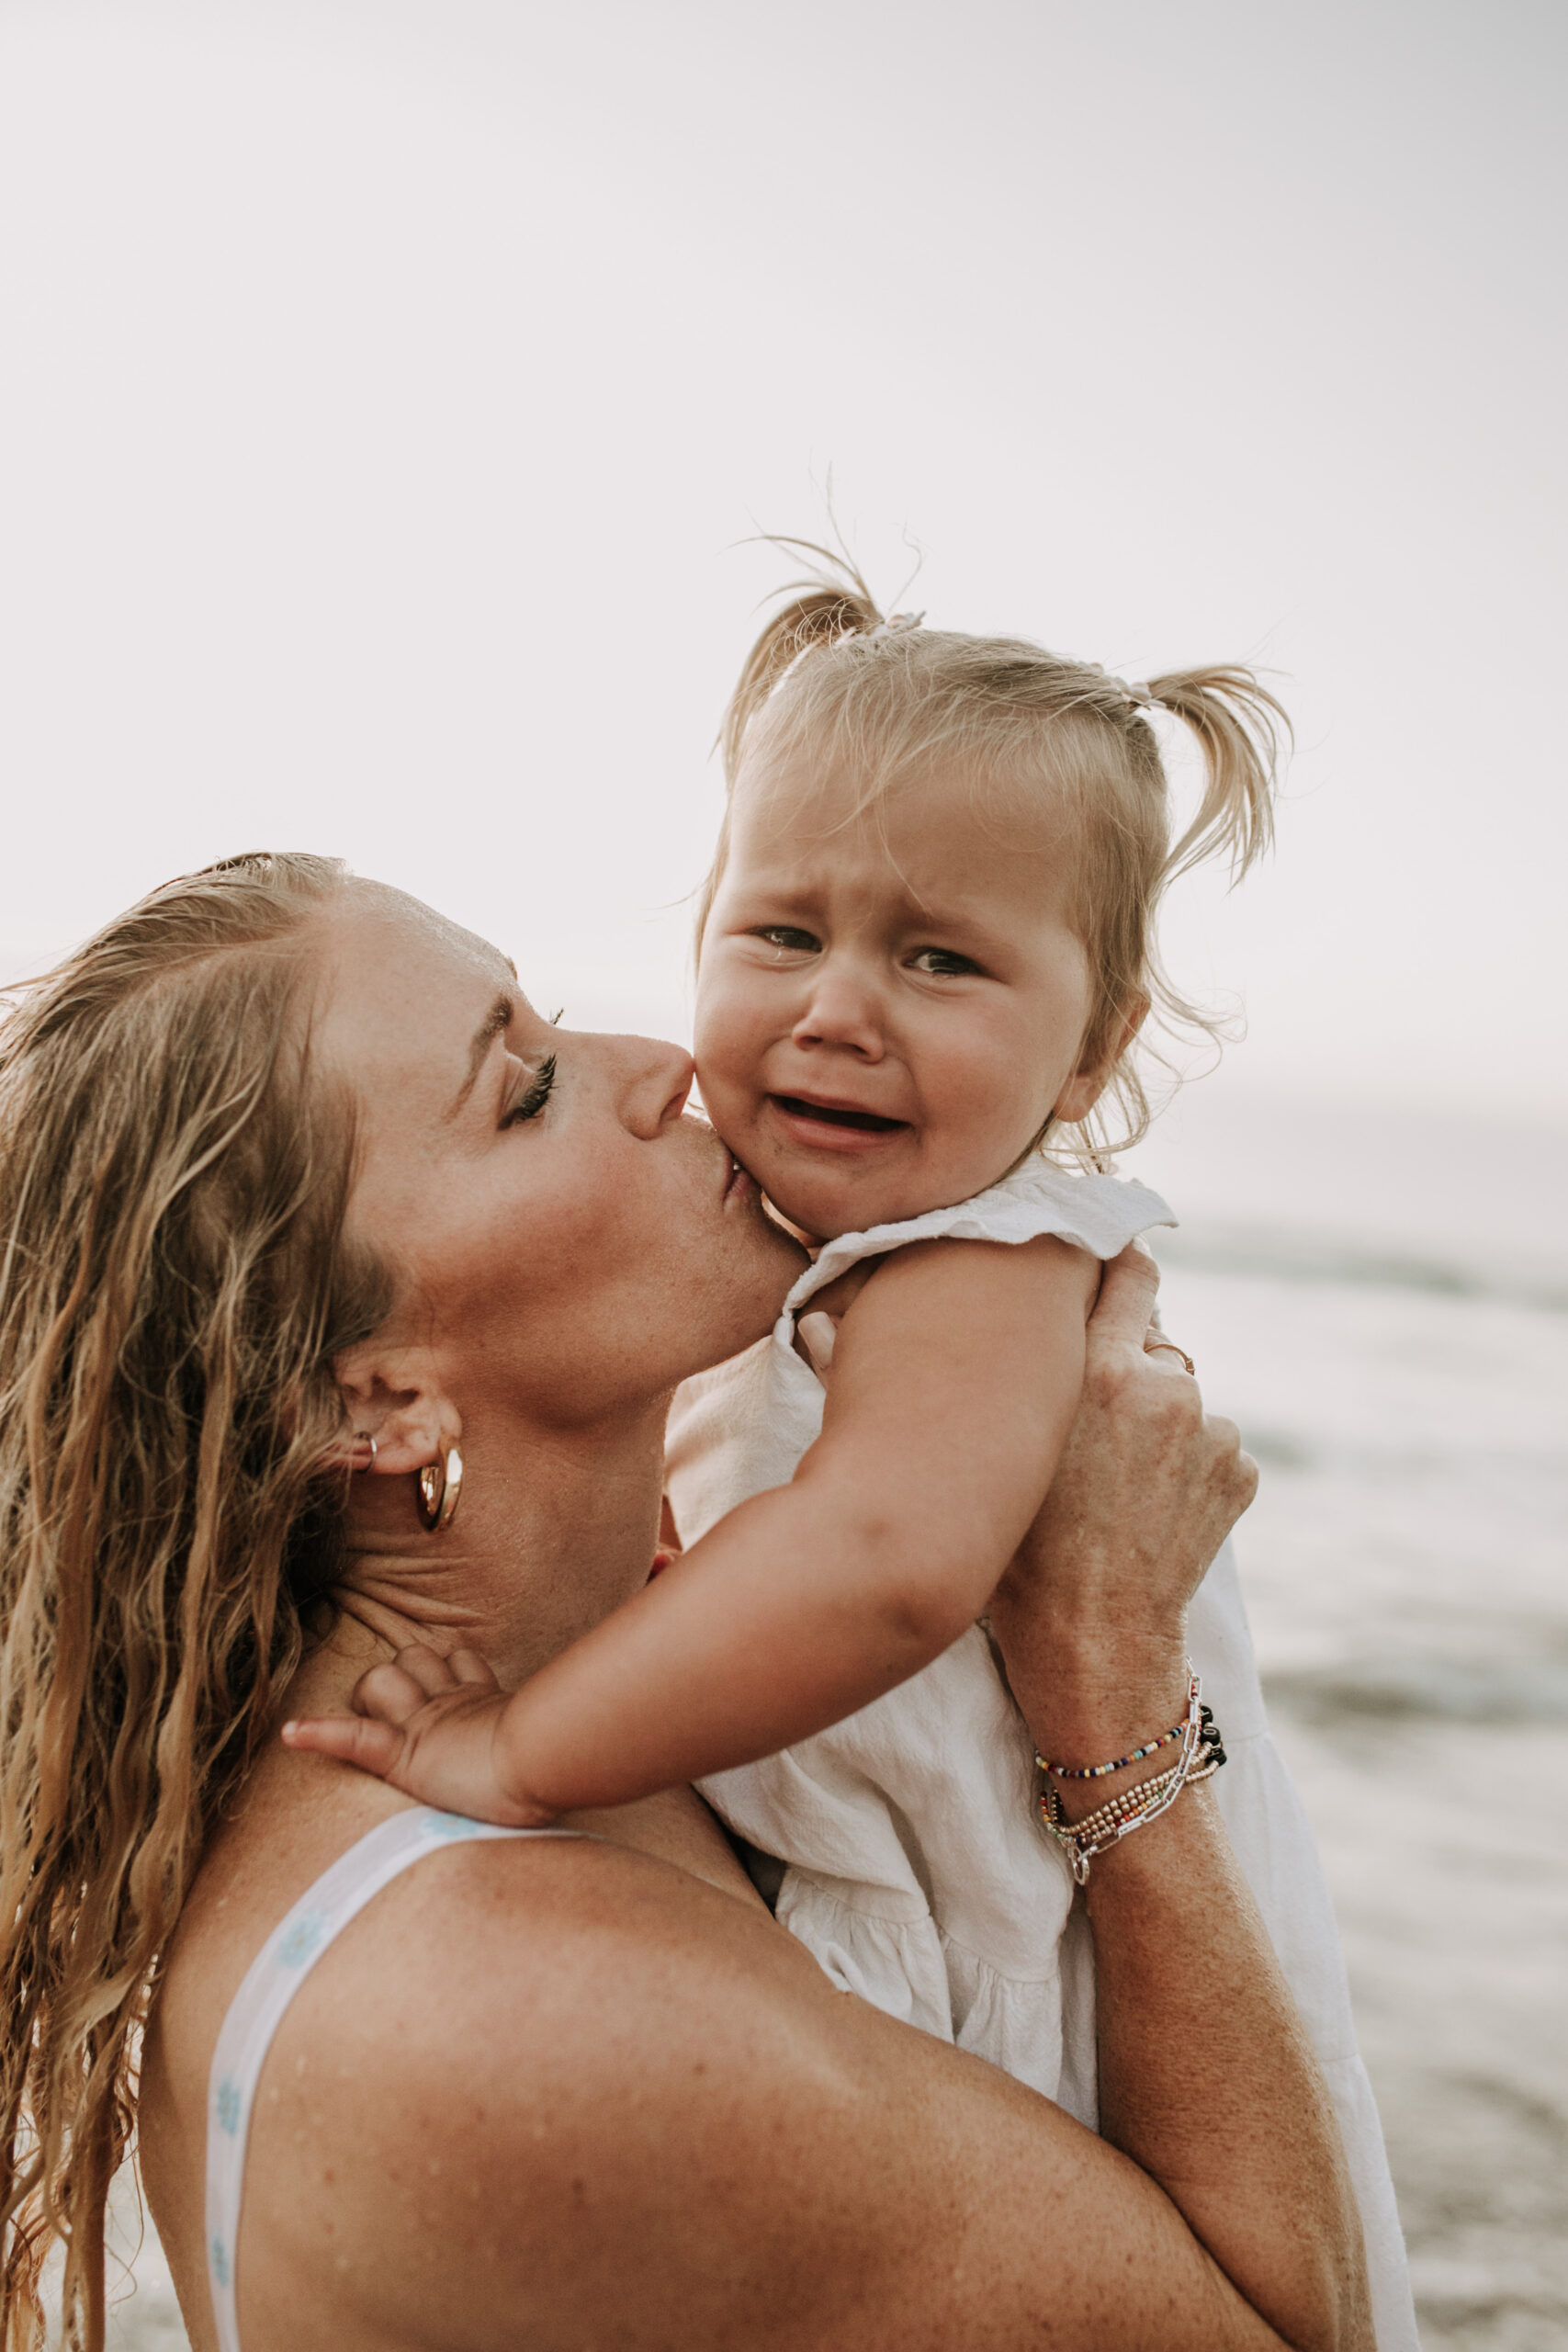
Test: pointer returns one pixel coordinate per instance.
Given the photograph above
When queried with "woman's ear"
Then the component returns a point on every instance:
(395, 1395)
(1087, 1082)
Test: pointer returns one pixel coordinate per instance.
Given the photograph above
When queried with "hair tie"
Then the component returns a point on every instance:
(1137, 692)
(895, 625)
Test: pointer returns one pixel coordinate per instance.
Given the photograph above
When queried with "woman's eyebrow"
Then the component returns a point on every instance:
(497, 1020)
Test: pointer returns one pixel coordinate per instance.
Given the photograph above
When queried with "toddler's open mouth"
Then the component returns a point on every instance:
(833, 1114)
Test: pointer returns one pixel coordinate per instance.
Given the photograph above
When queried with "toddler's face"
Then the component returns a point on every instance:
(889, 1008)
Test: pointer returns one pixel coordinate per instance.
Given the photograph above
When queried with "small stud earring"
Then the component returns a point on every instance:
(441, 1490)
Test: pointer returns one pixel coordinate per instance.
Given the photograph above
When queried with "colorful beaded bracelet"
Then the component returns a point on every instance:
(1135, 1756)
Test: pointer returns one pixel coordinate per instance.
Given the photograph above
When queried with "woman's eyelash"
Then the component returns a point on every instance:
(529, 1106)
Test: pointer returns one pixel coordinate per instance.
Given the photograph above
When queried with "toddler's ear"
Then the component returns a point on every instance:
(395, 1395)
(1088, 1081)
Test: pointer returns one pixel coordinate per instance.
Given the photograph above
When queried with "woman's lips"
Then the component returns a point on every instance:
(833, 1126)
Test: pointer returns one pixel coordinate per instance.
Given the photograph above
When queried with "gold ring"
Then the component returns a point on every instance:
(1150, 1346)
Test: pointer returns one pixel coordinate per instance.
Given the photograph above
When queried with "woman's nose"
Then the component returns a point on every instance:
(842, 1011)
(654, 1081)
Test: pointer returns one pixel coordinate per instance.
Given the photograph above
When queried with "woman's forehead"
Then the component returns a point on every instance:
(376, 924)
(396, 971)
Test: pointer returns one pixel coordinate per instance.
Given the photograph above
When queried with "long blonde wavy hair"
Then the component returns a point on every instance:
(876, 700)
(174, 1284)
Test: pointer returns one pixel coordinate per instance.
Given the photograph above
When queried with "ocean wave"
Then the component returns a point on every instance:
(1495, 1690)
(1298, 1254)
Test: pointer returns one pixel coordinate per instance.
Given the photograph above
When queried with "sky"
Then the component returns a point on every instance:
(387, 387)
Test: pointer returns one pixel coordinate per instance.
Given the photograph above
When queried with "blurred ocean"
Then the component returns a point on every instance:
(1380, 1300)
(1381, 1303)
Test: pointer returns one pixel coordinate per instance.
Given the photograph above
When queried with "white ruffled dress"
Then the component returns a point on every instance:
(915, 1868)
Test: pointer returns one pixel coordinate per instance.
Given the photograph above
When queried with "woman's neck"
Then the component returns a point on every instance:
(554, 1529)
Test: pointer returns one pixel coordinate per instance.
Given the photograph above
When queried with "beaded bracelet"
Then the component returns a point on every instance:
(1116, 1808)
(1202, 1754)
(1134, 1756)
(1128, 1807)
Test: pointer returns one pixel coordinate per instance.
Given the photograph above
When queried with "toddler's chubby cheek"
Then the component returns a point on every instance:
(729, 1083)
(733, 1117)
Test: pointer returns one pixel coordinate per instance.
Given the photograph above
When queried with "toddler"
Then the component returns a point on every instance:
(925, 951)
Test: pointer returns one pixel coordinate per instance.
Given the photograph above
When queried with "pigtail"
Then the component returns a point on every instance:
(1239, 725)
(830, 602)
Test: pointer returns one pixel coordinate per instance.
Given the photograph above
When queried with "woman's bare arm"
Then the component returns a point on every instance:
(1206, 2077)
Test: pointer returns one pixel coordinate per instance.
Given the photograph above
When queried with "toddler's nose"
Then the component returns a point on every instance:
(843, 1013)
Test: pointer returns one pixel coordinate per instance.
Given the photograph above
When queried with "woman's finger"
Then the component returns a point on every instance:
(1127, 1290)
(1166, 1355)
(1238, 1466)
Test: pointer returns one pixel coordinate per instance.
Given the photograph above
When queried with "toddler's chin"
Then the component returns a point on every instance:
(816, 1212)
(808, 1221)
(820, 1210)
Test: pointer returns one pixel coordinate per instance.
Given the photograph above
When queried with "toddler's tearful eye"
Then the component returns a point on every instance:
(787, 940)
(943, 962)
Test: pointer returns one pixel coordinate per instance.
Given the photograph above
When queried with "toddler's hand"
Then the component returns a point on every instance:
(426, 1724)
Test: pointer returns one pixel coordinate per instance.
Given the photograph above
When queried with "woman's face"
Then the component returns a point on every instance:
(562, 1237)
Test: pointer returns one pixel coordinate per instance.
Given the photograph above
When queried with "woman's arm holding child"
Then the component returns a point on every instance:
(956, 1379)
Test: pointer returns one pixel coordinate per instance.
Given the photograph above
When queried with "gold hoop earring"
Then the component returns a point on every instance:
(441, 1490)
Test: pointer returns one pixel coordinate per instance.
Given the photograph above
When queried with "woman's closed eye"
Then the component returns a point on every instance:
(535, 1096)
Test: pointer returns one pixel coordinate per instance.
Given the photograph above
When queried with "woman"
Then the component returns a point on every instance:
(284, 1225)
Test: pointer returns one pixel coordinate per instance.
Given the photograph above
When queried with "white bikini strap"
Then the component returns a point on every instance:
(270, 1983)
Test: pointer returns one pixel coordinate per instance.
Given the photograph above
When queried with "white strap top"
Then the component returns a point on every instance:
(270, 1983)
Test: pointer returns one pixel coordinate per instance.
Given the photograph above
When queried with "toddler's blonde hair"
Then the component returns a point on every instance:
(879, 700)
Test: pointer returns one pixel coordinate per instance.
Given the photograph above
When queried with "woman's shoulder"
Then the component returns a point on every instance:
(398, 2023)
(576, 2086)
(516, 2052)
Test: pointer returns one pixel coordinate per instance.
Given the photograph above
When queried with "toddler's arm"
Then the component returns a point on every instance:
(955, 1380)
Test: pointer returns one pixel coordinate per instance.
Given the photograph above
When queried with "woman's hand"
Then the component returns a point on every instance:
(425, 1725)
(1091, 1615)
